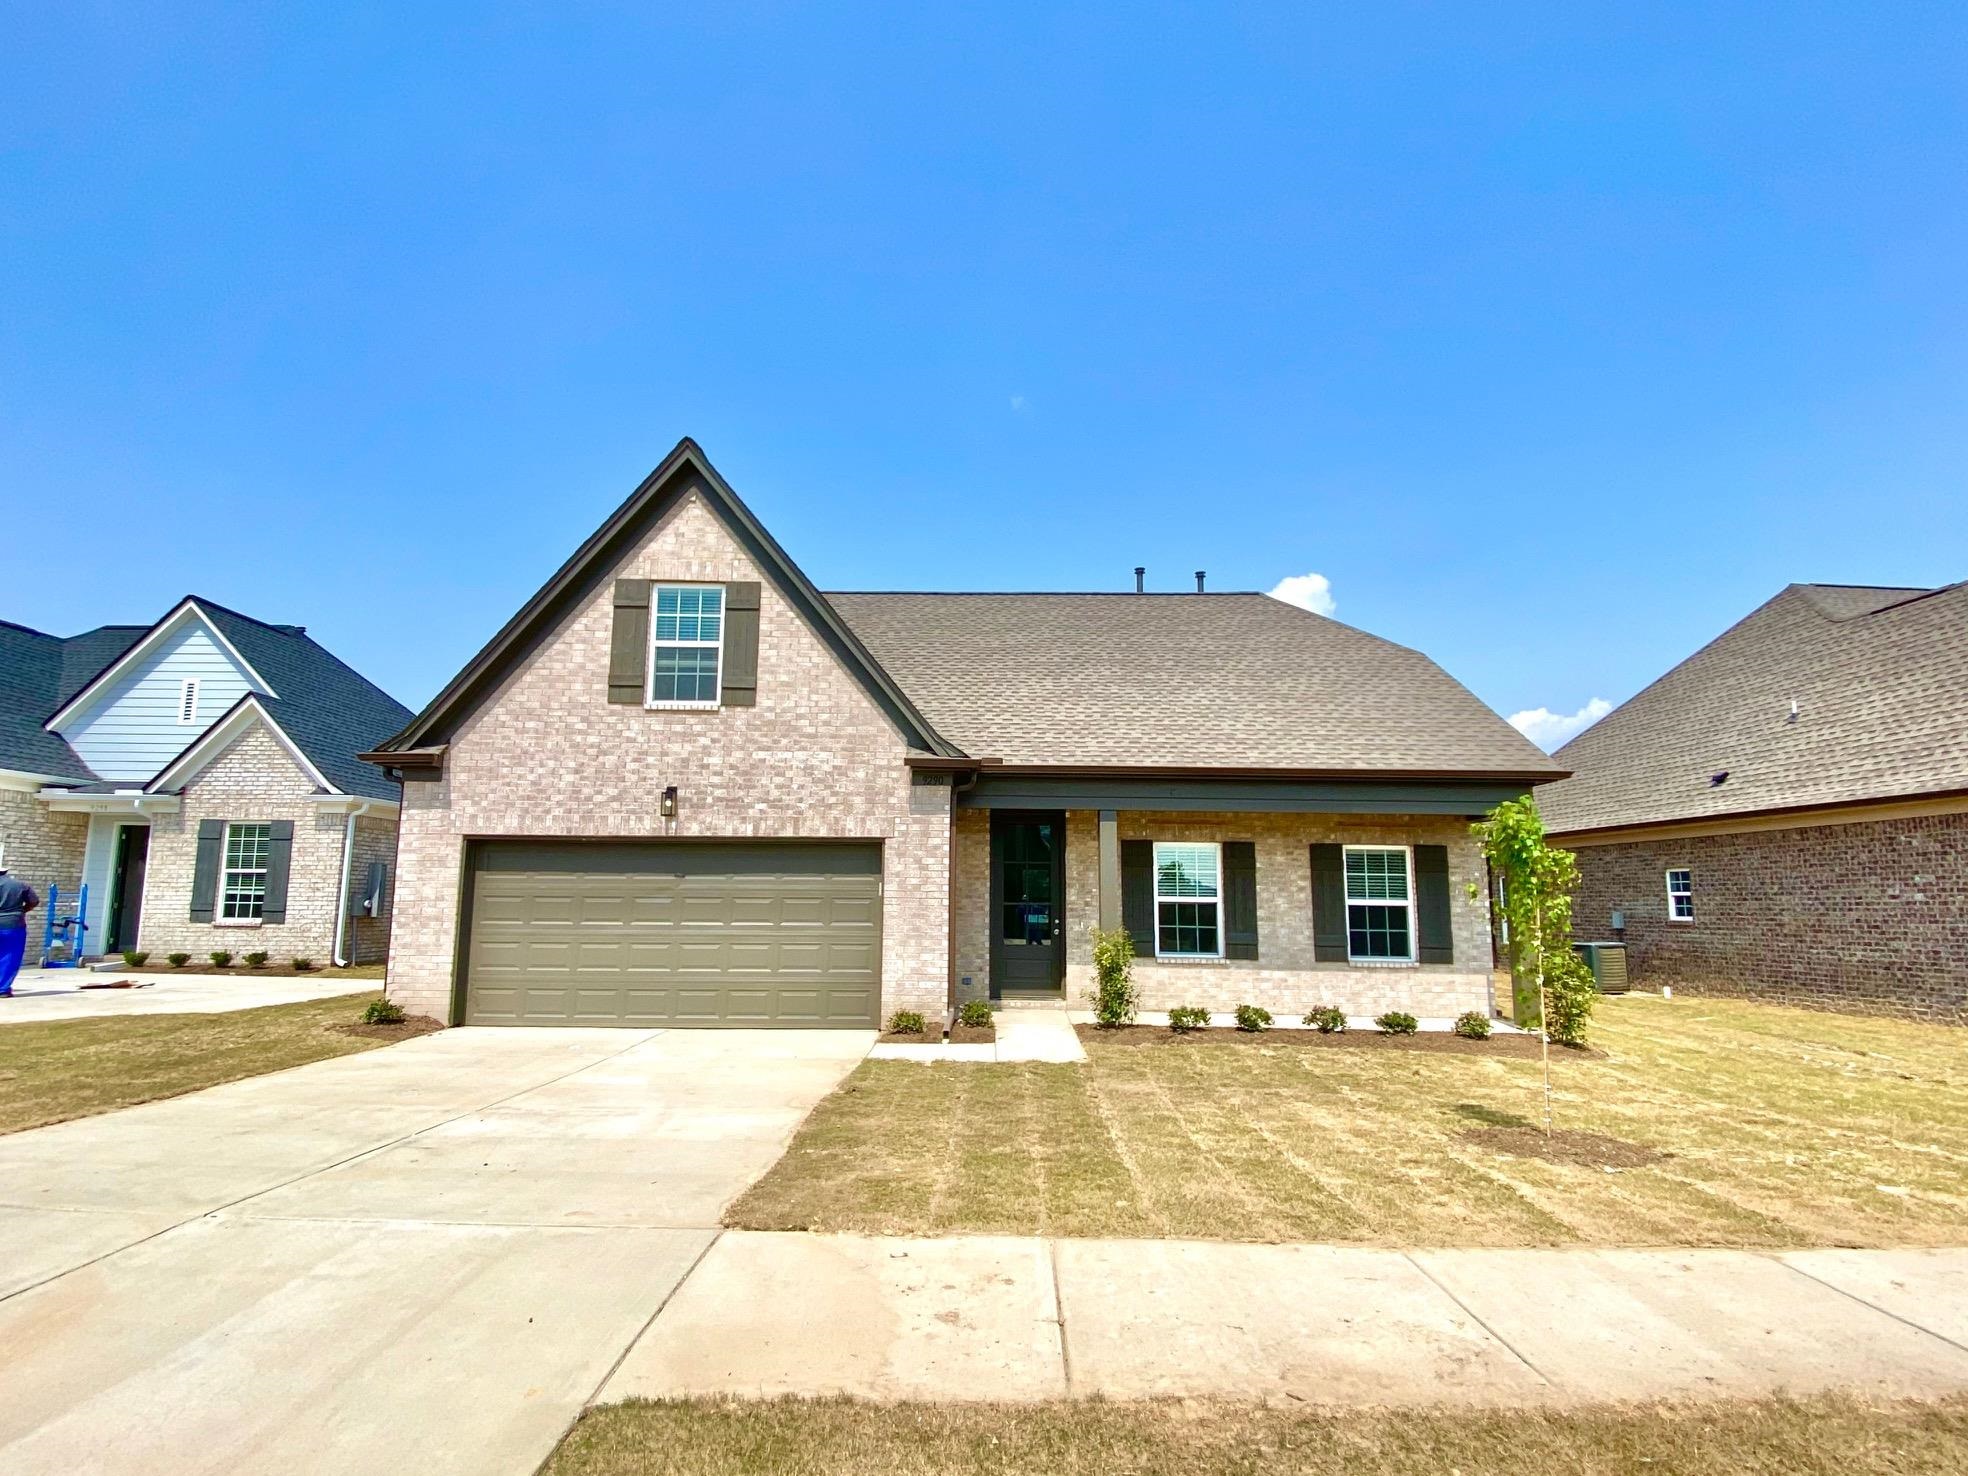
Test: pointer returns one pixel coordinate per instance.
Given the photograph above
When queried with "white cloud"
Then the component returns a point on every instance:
(1308, 591)
(1548, 729)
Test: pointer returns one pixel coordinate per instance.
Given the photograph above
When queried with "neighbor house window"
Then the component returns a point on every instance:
(1681, 896)
(1379, 905)
(686, 644)
(188, 701)
(1188, 900)
(242, 896)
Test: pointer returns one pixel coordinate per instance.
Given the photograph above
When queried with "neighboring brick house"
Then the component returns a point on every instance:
(1785, 814)
(682, 786)
(199, 777)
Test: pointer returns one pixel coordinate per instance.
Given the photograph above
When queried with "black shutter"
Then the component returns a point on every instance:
(1329, 904)
(738, 686)
(1240, 899)
(1138, 894)
(205, 869)
(1432, 904)
(628, 643)
(280, 861)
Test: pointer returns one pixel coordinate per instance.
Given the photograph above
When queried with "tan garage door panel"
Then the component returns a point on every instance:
(756, 934)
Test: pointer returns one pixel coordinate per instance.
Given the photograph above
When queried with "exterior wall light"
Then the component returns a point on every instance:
(667, 809)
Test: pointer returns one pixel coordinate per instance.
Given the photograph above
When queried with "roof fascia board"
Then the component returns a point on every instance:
(181, 614)
(1790, 817)
(998, 768)
(234, 721)
(598, 555)
(995, 790)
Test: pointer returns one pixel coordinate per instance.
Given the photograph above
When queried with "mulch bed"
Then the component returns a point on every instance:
(1566, 1145)
(1435, 1042)
(404, 1030)
(959, 1035)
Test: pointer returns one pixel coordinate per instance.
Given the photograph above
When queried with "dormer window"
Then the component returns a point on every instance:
(188, 701)
(686, 644)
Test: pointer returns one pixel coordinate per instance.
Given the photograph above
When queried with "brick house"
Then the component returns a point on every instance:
(198, 776)
(1785, 814)
(682, 786)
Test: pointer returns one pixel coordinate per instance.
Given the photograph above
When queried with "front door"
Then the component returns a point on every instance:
(126, 897)
(1028, 903)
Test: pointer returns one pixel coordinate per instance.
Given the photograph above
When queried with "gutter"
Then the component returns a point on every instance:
(342, 893)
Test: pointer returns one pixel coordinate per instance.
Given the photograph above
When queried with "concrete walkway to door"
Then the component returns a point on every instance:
(427, 1257)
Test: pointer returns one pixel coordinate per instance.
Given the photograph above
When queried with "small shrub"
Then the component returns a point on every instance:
(221, 958)
(1397, 1022)
(1114, 996)
(1185, 1018)
(383, 1012)
(302, 965)
(976, 1013)
(1253, 1018)
(1326, 1019)
(135, 958)
(255, 960)
(1569, 995)
(906, 1022)
(1473, 1025)
(178, 960)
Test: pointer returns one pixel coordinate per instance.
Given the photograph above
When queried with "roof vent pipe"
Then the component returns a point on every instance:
(1199, 580)
(1140, 578)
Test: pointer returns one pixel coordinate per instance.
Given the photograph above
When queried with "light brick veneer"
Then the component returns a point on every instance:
(546, 754)
(1868, 917)
(40, 847)
(254, 780)
(1284, 978)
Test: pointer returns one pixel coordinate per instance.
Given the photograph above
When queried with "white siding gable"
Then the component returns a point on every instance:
(133, 729)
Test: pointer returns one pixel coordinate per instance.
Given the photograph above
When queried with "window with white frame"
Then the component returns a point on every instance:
(686, 644)
(188, 701)
(1680, 895)
(1379, 905)
(242, 890)
(1188, 899)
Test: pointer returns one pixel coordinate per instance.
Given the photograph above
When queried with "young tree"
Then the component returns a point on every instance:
(1551, 987)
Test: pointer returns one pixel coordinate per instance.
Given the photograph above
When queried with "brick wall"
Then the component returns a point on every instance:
(1284, 978)
(253, 780)
(1870, 916)
(41, 848)
(547, 755)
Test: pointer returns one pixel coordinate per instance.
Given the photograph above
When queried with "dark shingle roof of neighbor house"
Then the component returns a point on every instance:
(1234, 681)
(331, 712)
(1880, 678)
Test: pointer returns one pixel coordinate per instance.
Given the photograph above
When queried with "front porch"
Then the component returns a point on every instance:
(1284, 909)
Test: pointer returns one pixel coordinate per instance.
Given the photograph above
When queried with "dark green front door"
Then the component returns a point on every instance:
(1028, 902)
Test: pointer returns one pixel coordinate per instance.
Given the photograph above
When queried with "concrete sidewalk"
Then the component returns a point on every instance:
(58, 994)
(1021, 1318)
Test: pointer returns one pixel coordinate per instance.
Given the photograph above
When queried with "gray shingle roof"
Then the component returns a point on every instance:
(1178, 681)
(1880, 677)
(330, 711)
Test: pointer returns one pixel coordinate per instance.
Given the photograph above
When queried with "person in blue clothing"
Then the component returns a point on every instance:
(17, 900)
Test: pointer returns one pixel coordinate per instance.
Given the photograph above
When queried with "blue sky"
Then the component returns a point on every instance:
(1554, 338)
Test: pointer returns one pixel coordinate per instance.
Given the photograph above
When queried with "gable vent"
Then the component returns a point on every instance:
(188, 701)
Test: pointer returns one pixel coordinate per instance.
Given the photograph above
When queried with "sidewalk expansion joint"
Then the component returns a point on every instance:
(1777, 1256)
(1476, 1318)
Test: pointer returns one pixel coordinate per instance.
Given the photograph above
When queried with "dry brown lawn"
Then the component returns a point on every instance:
(1816, 1437)
(1731, 1124)
(57, 1069)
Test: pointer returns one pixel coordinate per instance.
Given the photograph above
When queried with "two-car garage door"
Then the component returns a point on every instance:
(673, 933)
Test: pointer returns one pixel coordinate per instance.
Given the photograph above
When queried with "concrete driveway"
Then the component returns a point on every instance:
(75, 994)
(423, 1258)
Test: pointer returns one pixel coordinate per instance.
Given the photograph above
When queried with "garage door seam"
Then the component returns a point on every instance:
(217, 1210)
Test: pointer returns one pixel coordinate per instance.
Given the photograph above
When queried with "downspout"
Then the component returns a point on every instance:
(950, 969)
(342, 895)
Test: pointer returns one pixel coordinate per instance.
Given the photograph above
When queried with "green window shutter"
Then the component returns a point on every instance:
(628, 644)
(280, 861)
(1138, 894)
(1432, 905)
(1328, 904)
(738, 686)
(205, 869)
(1240, 899)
